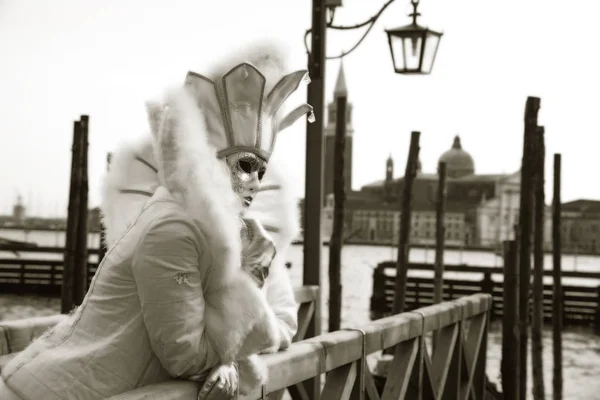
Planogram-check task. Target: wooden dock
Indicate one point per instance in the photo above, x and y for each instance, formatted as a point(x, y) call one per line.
point(41, 276)
point(581, 304)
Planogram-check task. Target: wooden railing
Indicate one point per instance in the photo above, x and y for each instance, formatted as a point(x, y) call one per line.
point(455, 369)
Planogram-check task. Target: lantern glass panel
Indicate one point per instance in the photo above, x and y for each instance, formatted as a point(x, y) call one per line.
point(432, 42)
point(397, 49)
point(412, 47)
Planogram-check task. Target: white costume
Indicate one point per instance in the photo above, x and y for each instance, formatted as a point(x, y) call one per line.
point(170, 300)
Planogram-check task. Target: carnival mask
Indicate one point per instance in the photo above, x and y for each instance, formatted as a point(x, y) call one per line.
point(244, 117)
point(246, 171)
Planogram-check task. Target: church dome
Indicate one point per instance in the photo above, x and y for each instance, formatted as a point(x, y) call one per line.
point(459, 163)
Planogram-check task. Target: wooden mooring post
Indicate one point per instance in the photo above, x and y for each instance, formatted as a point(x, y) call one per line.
point(525, 224)
point(80, 276)
point(337, 234)
point(72, 221)
point(440, 232)
point(510, 322)
point(538, 268)
point(73, 252)
point(557, 292)
point(405, 223)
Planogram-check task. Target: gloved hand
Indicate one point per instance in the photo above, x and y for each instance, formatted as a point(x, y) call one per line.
point(258, 250)
point(221, 384)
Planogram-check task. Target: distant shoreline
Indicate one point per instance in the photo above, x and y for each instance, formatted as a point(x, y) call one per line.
point(40, 229)
point(326, 242)
point(446, 247)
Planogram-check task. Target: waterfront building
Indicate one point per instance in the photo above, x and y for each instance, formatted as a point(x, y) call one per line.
point(580, 226)
point(20, 220)
point(481, 209)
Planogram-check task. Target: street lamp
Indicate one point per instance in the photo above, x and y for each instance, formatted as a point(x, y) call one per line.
point(323, 13)
point(413, 46)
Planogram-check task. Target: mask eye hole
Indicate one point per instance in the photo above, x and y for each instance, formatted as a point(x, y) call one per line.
point(245, 166)
point(261, 172)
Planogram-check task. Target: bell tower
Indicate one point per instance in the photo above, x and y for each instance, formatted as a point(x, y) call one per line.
point(389, 169)
point(389, 177)
point(19, 212)
point(340, 90)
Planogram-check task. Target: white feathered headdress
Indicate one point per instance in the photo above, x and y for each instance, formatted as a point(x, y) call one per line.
point(257, 72)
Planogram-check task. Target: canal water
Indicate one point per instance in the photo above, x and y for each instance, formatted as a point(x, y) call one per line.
point(581, 355)
point(581, 347)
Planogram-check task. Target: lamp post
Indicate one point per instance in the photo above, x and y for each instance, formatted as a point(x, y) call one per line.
point(314, 134)
point(313, 186)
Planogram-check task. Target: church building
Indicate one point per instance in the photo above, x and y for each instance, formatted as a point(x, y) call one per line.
point(481, 209)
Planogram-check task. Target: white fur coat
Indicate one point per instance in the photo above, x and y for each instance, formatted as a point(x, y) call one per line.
point(181, 157)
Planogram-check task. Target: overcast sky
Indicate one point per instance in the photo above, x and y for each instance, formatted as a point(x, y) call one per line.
point(63, 58)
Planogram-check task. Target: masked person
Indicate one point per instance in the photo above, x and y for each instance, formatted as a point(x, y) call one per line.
point(193, 284)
